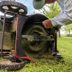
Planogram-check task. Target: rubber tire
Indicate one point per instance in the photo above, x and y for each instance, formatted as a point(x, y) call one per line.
point(11, 3)
point(28, 24)
point(34, 53)
point(13, 67)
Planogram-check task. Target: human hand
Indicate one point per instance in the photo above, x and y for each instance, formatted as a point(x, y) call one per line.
point(47, 24)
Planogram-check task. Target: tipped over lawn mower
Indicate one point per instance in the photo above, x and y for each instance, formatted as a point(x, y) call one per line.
point(30, 40)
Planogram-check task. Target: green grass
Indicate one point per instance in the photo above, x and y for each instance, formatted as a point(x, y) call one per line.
point(45, 65)
point(48, 65)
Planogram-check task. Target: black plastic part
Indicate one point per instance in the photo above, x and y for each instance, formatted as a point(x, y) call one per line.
point(33, 19)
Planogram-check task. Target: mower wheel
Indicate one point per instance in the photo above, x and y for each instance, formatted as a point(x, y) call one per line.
point(12, 7)
point(34, 48)
point(8, 65)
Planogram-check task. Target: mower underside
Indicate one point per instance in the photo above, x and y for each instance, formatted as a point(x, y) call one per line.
point(29, 39)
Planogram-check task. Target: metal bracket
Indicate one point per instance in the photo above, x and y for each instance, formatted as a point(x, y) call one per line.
point(3, 33)
point(42, 38)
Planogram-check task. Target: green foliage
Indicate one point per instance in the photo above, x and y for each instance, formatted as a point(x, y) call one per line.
point(69, 35)
point(68, 27)
point(54, 10)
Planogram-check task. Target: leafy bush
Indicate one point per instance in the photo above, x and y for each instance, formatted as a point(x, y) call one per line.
point(69, 35)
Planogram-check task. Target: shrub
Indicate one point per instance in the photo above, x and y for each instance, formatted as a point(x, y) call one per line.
point(69, 35)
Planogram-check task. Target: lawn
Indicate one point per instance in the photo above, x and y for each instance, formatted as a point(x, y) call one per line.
point(65, 48)
point(47, 65)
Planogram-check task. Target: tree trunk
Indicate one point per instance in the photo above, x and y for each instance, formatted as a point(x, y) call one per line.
point(69, 32)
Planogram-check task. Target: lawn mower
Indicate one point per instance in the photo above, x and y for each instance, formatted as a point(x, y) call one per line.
point(30, 40)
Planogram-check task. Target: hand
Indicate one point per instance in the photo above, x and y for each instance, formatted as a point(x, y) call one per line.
point(47, 24)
